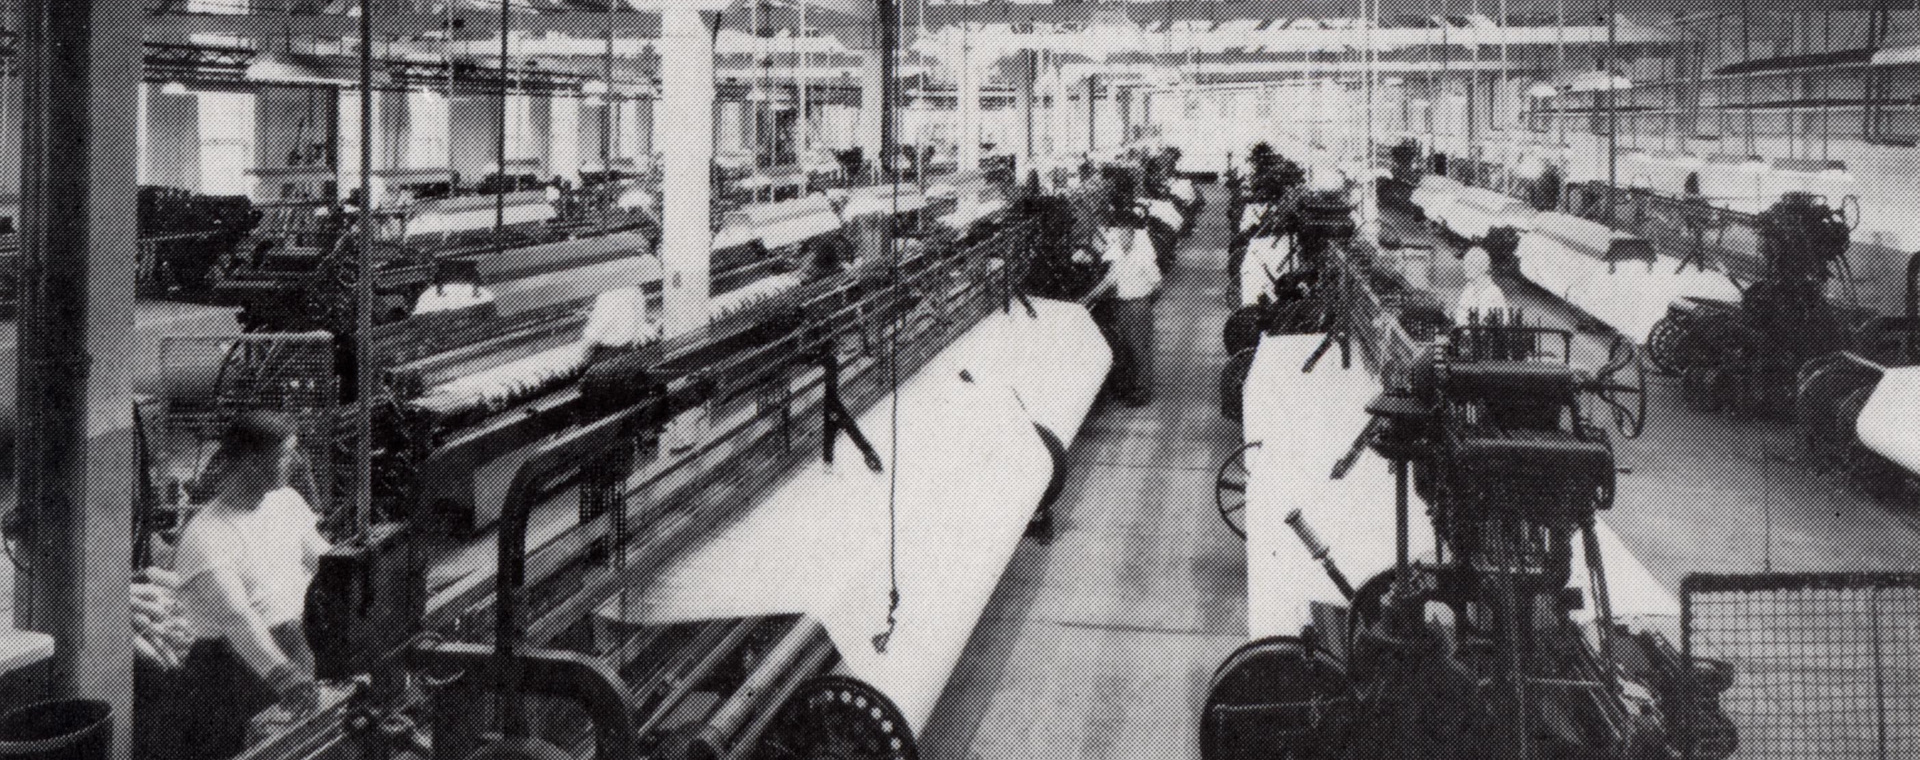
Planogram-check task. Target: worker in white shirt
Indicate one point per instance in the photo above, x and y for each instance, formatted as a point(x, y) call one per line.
point(1133, 278)
point(1481, 295)
point(244, 561)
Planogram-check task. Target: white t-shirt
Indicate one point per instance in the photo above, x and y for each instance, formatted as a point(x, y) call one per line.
point(1136, 273)
point(1165, 212)
point(1182, 188)
point(267, 548)
point(1481, 295)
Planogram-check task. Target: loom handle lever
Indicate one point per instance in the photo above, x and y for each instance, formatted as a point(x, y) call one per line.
point(1320, 552)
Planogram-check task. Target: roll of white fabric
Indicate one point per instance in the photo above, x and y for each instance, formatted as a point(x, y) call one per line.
point(733, 301)
point(577, 284)
point(1054, 362)
point(1634, 296)
point(1433, 193)
point(620, 319)
point(1889, 421)
point(468, 213)
point(970, 472)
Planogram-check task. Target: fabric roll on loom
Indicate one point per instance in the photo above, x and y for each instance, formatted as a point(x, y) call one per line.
point(467, 213)
point(1294, 415)
point(1567, 256)
point(1892, 414)
point(1054, 360)
point(969, 472)
point(1635, 297)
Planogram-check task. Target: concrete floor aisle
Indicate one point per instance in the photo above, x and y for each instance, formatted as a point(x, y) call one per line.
point(1102, 644)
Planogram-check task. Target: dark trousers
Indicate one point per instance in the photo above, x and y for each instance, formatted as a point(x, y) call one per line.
point(1133, 347)
point(200, 712)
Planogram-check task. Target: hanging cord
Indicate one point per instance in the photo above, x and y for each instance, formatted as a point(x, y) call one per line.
point(889, 109)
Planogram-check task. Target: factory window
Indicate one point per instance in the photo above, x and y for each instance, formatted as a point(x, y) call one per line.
point(631, 130)
point(564, 130)
point(520, 136)
point(427, 136)
point(226, 143)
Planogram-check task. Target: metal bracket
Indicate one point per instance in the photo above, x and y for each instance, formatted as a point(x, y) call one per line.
point(1337, 336)
point(835, 418)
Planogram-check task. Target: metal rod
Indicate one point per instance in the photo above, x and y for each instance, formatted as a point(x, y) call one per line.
point(1320, 552)
point(1602, 602)
point(363, 295)
point(500, 140)
point(889, 96)
point(747, 741)
point(1613, 107)
point(1879, 675)
point(1093, 95)
point(1686, 673)
point(1402, 530)
point(775, 665)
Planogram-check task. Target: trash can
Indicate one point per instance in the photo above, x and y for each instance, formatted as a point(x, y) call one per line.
point(62, 729)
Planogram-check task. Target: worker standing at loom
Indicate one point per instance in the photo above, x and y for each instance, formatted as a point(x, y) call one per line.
point(244, 562)
point(1133, 277)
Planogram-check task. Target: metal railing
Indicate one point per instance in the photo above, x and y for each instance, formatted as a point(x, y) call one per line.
point(1804, 665)
point(1367, 317)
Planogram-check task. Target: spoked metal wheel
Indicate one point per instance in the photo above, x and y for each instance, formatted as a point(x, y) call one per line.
point(1275, 698)
point(1663, 345)
point(1230, 490)
point(838, 718)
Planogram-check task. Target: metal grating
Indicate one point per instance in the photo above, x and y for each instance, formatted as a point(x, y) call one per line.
point(1823, 665)
point(212, 379)
point(1372, 318)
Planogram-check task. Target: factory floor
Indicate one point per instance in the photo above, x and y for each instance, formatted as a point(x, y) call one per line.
point(1102, 644)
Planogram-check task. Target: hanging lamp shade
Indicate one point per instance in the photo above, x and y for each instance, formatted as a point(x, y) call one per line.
point(173, 87)
point(1542, 90)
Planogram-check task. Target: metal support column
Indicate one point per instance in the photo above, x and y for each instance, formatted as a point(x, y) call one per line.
point(686, 61)
point(79, 68)
point(969, 140)
point(1023, 100)
point(889, 21)
point(872, 112)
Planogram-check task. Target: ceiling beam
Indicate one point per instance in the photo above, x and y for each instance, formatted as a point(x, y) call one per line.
point(1244, 68)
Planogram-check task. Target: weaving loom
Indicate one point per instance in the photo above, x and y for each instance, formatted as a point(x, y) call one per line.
point(783, 350)
point(1617, 278)
point(1319, 676)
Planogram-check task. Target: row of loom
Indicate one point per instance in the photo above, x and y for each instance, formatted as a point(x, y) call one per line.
point(1757, 313)
point(620, 478)
point(1331, 670)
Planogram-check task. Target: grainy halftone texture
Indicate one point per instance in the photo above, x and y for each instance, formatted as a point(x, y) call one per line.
point(1825, 667)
